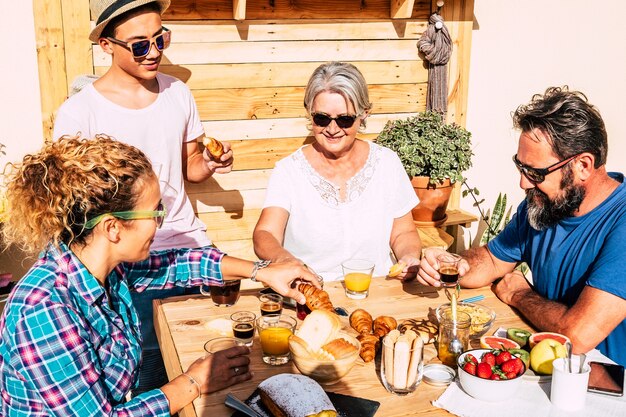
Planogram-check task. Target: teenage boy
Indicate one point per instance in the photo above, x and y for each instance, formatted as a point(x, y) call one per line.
point(134, 103)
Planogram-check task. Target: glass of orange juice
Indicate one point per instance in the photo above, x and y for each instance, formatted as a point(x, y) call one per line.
point(274, 331)
point(357, 275)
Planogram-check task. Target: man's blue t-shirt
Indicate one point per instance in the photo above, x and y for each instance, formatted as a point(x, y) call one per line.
point(577, 251)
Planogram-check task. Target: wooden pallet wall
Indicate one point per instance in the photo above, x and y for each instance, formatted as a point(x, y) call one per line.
point(247, 64)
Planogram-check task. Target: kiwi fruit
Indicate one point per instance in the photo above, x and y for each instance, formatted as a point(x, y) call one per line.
point(520, 336)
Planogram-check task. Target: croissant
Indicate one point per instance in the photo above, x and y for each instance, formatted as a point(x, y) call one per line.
point(316, 299)
point(215, 147)
point(369, 344)
point(383, 325)
point(339, 348)
point(361, 321)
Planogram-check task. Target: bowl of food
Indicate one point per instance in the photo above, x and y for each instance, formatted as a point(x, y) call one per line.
point(328, 364)
point(487, 376)
point(482, 317)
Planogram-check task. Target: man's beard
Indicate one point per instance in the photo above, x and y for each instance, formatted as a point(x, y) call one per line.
point(543, 212)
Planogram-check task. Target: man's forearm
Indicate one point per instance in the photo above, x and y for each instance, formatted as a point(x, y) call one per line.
point(483, 270)
point(544, 314)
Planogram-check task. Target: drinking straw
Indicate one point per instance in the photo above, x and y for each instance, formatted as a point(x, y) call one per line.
point(473, 299)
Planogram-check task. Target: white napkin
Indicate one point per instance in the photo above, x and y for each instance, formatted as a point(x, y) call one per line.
point(532, 399)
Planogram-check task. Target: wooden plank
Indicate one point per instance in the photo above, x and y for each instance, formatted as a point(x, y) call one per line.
point(239, 180)
point(50, 60)
point(238, 248)
point(286, 74)
point(267, 103)
point(284, 30)
point(239, 9)
point(459, 15)
point(282, 128)
point(401, 9)
point(301, 51)
point(223, 227)
point(76, 28)
point(288, 9)
point(230, 201)
point(170, 356)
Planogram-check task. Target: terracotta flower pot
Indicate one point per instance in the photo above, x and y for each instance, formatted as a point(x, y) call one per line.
point(431, 210)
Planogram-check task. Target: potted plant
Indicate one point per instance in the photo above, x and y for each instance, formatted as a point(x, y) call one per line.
point(434, 155)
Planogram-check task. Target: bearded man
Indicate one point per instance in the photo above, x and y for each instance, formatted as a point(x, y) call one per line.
point(570, 230)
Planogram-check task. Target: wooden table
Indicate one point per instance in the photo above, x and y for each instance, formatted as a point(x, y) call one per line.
point(181, 329)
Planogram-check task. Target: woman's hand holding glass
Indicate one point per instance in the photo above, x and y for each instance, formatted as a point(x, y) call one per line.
point(428, 273)
point(221, 369)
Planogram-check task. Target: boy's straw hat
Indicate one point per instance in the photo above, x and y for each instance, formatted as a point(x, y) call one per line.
point(103, 11)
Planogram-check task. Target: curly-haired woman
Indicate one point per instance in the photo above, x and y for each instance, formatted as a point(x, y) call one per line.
point(70, 342)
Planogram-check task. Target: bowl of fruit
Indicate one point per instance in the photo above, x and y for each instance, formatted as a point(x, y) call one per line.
point(490, 374)
point(482, 317)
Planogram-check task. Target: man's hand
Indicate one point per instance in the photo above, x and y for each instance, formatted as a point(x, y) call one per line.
point(428, 273)
point(224, 164)
point(511, 286)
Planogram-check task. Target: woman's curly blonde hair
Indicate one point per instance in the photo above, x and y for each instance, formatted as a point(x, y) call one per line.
point(51, 194)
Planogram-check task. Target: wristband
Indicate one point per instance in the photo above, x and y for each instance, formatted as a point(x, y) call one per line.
point(194, 382)
point(258, 265)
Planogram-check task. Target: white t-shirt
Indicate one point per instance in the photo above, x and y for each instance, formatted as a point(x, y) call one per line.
point(322, 231)
point(159, 130)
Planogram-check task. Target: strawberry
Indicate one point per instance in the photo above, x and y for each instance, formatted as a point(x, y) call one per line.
point(510, 375)
point(495, 377)
point(489, 358)
point(483, 370)
point(503, 356)
point(470, 367)
point(509, 366)
point(471, 358)
point(519, 365)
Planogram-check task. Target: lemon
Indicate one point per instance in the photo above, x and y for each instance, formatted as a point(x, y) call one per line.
point(542, 355)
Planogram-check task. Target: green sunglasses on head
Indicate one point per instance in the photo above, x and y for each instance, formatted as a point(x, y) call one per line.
point(158, 215)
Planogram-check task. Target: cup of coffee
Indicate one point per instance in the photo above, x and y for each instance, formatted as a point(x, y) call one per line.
point(271, 304)
point(224, 295)
point(243, 326)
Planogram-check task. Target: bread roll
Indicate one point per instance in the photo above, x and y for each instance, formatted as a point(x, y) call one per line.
point(339, 348)
point(319, 328)
point(291, 395)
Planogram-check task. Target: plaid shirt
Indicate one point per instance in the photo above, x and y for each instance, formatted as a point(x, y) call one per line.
point(68, 347)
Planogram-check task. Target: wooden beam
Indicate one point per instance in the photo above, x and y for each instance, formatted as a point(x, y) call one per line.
point(50, 59)
point(239, 9)
point(401, 9)
point(76, 28)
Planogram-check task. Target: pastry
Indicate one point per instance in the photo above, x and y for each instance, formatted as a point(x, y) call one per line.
point(402, 357)
point(383, 325)
point(292, 395)
point(339, 348)
point(396, 269)
point(316, 299)
point(319, 328)
point(214, 146)
point(361, 321)
point(425, 329)
point(369, 344)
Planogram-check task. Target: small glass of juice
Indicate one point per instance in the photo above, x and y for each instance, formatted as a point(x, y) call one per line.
point(357, 275)
point(274, 331)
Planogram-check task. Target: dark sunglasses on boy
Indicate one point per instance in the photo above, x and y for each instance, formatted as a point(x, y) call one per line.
point(142, 47)
point(538, 175)
point(323, 120)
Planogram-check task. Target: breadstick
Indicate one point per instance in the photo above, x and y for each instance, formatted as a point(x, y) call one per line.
point(388, 345)
point(416, 357)
point(401, 358)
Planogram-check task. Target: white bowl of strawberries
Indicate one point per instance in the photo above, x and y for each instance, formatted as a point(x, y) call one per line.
point(490, 374)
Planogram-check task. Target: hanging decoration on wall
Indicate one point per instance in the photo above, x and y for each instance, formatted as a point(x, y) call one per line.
point(436, 45)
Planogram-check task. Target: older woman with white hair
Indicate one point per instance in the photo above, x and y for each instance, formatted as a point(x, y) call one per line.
point(340, 197)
